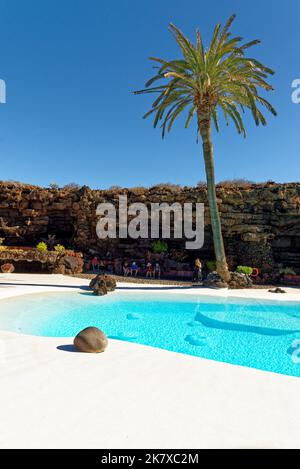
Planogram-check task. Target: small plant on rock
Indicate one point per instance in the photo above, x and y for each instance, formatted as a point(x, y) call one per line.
point(59, 248)
point(42, 247)
point(211, 265)
point(287, 271)
point(243, 269)
point(159, 246)
point(50, 241)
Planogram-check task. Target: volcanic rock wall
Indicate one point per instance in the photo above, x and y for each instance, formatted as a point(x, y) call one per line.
point(261, 223)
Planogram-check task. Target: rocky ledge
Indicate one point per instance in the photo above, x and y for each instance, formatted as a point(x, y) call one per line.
point(261, 222)
point(67, 262)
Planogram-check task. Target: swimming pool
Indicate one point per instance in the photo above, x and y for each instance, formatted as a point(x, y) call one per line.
point(254, 333)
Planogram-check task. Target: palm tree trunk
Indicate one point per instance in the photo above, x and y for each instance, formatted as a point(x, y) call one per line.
point(222, 268)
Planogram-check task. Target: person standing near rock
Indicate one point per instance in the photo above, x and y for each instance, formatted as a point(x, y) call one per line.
point(95, 264)
point(157, 270)
point(197, 277)
point(101, 267)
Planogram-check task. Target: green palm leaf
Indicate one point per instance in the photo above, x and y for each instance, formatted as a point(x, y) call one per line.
point(207, 76)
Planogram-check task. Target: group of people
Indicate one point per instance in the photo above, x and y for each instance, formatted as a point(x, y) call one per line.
point(152, 271)
point(128, 269)
point(96, 265)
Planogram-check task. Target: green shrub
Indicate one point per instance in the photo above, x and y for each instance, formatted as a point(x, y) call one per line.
point(287, 271)
point(42, 246)
point(59, 248)
point(159, 246)
point(211, 265)
point(243, 269)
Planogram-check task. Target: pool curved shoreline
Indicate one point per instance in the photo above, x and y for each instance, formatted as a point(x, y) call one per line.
point(23, 284)
point(221, 405)
point(251, 328)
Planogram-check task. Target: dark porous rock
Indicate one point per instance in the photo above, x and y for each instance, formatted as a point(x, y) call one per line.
point(254, 220)
point(74, 264)
point(102, 284)
point(91, 340)
point(60, 269)
point(277, 290)
point(238, 280)
point(67, 264)
point(100, 290)
point(213, 280)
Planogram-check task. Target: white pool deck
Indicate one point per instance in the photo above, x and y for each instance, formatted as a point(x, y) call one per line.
point(134, 396)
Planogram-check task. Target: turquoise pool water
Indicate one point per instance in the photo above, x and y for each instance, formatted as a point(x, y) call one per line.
point(258, 334)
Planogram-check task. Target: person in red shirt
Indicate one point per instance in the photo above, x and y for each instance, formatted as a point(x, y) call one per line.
point(95, 264)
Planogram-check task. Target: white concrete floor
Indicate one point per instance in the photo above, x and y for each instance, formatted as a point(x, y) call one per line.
point(134, 396)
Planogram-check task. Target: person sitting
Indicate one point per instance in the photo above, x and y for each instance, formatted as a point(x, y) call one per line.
point(126, 269)
point(134, 269)
point(157, 270)
point(149, 270)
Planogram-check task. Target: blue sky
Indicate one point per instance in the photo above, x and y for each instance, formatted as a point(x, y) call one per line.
point(70, 65)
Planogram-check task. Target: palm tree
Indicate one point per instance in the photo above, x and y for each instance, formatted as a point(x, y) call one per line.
point(204, 82)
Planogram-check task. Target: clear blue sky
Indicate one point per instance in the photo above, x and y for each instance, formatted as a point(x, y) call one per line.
point(70, 65)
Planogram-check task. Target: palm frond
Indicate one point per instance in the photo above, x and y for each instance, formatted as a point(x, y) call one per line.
point(202, 80)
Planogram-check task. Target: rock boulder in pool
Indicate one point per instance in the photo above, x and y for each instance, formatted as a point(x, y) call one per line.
point(91, 340)
point(102, 284)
